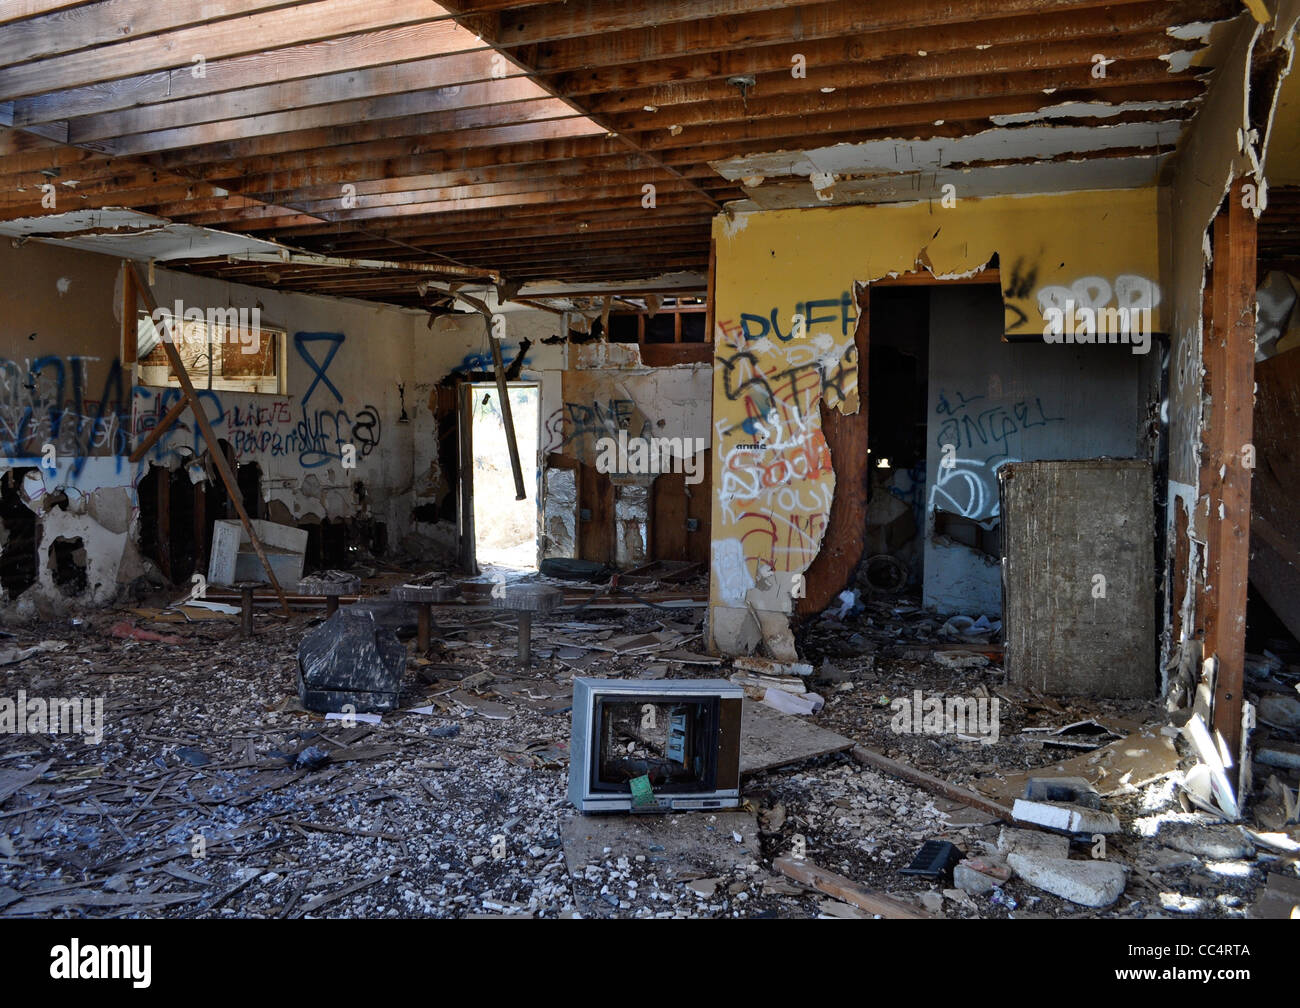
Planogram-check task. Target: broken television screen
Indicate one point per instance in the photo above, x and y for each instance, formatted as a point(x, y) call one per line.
point(672, 742)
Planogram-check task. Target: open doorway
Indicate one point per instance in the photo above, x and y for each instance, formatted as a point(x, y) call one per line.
point(505, 529)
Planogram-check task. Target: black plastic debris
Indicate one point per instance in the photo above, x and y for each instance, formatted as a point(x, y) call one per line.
point(350, 660)
point(934, 860)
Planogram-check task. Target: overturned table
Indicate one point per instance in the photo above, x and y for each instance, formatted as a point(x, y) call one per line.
point(423, 597)
point(524, 600)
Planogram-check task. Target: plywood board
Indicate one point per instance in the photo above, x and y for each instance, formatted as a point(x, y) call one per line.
point(769, 739)
point(1077, 576)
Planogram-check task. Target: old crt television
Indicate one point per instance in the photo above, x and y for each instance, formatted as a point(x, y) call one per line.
point(654, 746)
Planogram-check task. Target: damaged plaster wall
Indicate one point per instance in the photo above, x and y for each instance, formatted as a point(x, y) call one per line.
point(343, 362)
point(608, 391)
point(773, 476)
point(65, 385)
point(588, 391)
point(1219, 148)
point(65, 415)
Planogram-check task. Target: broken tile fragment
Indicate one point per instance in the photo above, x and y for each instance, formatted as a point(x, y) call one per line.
point(980, 875)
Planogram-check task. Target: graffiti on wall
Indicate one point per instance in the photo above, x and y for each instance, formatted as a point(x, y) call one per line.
point(776, 480)
point(50, 401)
point(309, 437)
point(973, 438)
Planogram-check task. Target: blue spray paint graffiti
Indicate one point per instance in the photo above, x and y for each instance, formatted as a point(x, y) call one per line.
point(44, 402)
point(334, 340)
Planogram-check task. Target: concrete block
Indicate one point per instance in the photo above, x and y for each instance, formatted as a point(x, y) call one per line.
point(1031, 841)
point(1088, 883)
point(1074, 790)
point(1216, 842)
point(1065, 817)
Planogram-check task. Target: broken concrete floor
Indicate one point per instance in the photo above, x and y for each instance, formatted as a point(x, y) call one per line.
point(212, 794)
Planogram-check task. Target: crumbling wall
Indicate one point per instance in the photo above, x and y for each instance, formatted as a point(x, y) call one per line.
point(773, 473)
point(1229, 139)
point(332, 447)
point(65, 415)
point(610, 399)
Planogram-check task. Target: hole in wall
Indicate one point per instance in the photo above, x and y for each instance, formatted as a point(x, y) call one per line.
point(426, 513)
point(19, 556)
point(68, 565)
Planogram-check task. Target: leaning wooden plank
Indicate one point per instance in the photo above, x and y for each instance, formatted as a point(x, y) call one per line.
point(931, 783)
point(807, 873)
point(209, 435)
point(160, 428)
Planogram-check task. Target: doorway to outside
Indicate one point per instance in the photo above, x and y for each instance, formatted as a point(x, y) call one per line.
point(505, 529)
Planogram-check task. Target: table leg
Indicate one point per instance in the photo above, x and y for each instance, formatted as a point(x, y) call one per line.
point(426, 619)
point(525, 638)
point(246, 611)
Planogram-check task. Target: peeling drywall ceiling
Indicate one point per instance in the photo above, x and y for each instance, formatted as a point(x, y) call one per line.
point(1030, 178)
point(133, 235)
point(1050, 155)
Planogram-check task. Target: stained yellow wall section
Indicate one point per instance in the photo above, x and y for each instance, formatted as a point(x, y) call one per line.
point(773, 474)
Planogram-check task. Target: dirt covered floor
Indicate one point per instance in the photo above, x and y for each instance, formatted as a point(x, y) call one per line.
point(211, 793)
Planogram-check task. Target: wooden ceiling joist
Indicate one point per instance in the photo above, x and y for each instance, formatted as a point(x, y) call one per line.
point(516, 137)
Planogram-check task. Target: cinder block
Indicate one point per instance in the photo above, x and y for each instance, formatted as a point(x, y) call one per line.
point(1074, 790)
point(1088, 883)
point(1067, 818)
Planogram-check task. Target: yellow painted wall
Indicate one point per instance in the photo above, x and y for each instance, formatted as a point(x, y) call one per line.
point(773, 475)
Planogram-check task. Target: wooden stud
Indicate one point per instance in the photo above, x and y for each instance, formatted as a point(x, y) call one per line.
point(1229, 358)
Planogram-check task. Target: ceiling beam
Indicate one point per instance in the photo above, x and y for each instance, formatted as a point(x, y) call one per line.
point(297, 25)
point(111, 21)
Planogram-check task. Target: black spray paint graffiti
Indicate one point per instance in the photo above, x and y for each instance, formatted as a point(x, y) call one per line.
point(986, 432)
point(794, 388)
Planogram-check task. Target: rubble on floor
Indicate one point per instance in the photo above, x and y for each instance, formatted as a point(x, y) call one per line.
point(214, 793)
